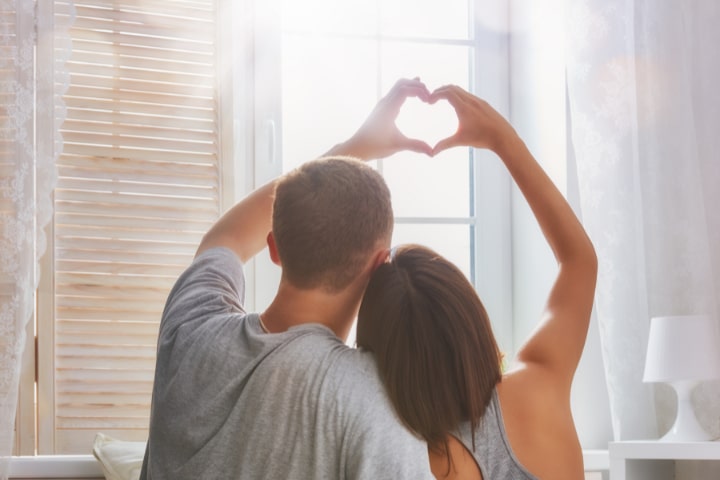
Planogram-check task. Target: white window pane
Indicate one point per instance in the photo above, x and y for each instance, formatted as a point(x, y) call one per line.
point(430, 187)
point(329, 88)
point(450, 241)
point(436, 65)
point(430, 123)
point(425, 18)
point(330, 16)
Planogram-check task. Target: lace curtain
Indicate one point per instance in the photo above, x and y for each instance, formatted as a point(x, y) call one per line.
point(30, 114)
point(645, 112)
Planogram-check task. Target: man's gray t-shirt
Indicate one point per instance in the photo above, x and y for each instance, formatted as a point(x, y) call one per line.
point(232, 402)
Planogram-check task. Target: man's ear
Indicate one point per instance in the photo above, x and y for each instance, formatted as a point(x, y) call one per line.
point(381, 257)
point(273, 249)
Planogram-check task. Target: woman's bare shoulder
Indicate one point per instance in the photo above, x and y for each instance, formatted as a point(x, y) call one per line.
point(538, 423)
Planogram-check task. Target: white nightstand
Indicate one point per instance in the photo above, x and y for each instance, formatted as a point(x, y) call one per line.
point(645, 460)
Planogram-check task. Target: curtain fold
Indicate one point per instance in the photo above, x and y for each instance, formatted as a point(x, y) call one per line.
point(31, 111)
point(645, 112)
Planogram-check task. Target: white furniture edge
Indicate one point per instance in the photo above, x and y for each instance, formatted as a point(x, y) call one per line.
point(596, 460)
point(86, 466)
point(657, 450)
point(55, 466)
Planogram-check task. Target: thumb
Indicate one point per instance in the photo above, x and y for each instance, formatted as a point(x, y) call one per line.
point(417, 146)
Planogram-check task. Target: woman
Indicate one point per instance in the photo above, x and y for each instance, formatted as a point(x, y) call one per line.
point(436, 351)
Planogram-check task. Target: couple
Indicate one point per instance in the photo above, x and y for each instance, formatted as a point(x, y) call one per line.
point(280, 396)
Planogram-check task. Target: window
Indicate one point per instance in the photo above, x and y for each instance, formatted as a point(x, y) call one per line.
point(170, 119)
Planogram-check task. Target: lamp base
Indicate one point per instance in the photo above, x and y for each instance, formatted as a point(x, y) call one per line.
point(686, 427)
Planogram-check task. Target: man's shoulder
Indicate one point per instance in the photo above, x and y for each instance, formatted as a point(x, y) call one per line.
point(342, 367)
point(318, 343)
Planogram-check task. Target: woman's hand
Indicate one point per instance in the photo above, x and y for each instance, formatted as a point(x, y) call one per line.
point(479, 125)
point(379, 137)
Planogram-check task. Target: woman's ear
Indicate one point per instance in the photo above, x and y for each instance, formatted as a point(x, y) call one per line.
point(273, 249)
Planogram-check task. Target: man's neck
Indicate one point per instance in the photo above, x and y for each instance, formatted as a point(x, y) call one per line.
point(292, 306)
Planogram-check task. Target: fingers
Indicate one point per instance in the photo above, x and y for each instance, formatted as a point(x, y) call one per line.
point(405, 88)
point(456, 97)
point(452, 93)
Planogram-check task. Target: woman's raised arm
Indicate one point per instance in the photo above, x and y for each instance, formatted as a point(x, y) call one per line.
point(557, 343)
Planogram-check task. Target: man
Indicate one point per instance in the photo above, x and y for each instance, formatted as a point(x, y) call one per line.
point(278, 395)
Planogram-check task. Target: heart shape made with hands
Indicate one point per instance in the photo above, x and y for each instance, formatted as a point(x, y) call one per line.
point(427, 122)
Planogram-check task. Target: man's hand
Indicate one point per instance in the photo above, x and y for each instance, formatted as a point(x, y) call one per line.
point(379, 137)
point(479, 125)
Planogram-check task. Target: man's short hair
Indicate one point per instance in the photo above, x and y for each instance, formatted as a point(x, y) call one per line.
point(329, 216)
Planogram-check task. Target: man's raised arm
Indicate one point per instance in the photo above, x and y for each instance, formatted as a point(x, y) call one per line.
point(244, 228)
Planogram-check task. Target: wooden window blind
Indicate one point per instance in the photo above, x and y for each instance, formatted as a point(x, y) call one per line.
point(139, 184)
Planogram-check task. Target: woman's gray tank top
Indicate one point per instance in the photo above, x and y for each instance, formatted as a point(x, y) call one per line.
point(492, 450)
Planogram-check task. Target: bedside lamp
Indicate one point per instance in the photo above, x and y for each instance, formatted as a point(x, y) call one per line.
point(682, 351)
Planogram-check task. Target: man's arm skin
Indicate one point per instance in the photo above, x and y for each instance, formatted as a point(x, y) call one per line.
point(244, 228)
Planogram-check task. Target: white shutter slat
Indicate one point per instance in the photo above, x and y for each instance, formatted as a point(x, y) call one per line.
point(117, 209)
point(101, 377)
point(66, 314)
point(139, 154)
point(140, 166)
point(103, 384)
point(77, 106)
point(115, 302)
point(145, 20)
point(99, 89)
point(111, 139)
point(95, 418)
point(98, 398)
point(109, 67)
point(135, 185)
point(157, 43)
point(109, 328)
point(119, 269)
point(126, 258)
point(96, 43)
point(168, 91)
point(118, 119)
point(178, 225)
point(88, 57)
point(107, 357)
point(124, 244)
point(179, 178)
point(189, 205)
point(138, 186)
point(202, 10)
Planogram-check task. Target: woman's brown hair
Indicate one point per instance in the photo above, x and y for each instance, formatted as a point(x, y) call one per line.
point(433, 343)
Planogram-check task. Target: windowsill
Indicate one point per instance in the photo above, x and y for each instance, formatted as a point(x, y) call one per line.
point(55, 466)
point(86, 466)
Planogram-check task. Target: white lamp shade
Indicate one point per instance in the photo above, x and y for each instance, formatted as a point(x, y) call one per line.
point(682, 348)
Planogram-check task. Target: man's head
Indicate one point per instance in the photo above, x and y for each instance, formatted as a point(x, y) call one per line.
point(330, 217)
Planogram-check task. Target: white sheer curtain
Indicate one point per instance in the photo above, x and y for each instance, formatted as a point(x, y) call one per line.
point(30, 114)
point(645, 124)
